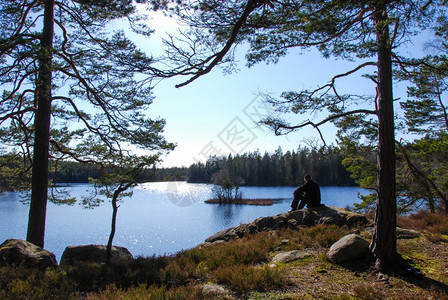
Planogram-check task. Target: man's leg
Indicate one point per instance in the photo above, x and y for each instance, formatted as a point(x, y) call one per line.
point(295, 202)
point(302, 203)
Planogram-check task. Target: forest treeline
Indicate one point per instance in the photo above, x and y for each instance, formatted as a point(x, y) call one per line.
point(251, 168)
point(74, 172)
point(274, 169)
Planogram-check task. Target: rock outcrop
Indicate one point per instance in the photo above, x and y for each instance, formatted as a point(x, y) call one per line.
point(348, 248)
point(294, 220)
point(20, 252)
point(94, 253)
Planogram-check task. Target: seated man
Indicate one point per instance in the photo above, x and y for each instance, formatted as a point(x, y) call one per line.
point(308, 193)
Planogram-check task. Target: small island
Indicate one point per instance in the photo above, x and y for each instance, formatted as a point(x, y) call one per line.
point(226, 191)
point(242, 201)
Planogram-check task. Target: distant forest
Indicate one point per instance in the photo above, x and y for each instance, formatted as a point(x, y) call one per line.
point(252, 169)
point(74, 172)
point(276, 169)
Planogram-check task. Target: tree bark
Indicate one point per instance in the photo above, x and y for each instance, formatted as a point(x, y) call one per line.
point(384, 241)
point(113, 225)
point(122, 187)
point(39, 180)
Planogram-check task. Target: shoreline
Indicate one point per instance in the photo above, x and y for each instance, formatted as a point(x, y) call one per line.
point(242, 202)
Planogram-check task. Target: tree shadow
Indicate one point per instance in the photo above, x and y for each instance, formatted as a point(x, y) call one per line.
point(403, 270)
point(415, 277)
point(427, 283)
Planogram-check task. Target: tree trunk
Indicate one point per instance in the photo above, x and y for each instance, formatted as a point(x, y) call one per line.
point(113, 225)
point(39, 180)
point(121, 188)
point(384, 241)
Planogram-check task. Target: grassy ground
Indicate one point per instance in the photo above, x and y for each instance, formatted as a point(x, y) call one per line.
point(243, 270)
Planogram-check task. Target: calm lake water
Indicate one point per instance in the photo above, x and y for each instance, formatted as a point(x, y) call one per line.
point(160, 218)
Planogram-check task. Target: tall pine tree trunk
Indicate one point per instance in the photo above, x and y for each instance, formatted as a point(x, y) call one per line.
point(384, 241)
point(39, 181)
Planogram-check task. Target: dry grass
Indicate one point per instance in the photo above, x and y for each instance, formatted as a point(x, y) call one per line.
point(436, 223)
point(244, 267)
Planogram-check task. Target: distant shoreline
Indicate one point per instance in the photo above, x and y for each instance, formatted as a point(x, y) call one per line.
point(243, 201)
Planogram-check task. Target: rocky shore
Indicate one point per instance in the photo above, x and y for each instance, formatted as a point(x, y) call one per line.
point(294, 220)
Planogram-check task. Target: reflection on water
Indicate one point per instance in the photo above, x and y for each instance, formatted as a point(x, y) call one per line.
point(160, 218)
point(224, 214)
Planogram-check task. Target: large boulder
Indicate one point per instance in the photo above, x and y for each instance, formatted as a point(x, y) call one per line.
point(20, 252)
point(294, 220)
point(348, 248)
point(94, 254)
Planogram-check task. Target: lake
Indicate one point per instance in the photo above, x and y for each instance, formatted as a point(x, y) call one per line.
point(160, 218)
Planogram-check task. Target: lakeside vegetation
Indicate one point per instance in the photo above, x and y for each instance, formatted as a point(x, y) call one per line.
point(244, 269)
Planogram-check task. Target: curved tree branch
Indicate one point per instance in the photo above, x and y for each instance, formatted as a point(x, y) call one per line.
point(250, 7)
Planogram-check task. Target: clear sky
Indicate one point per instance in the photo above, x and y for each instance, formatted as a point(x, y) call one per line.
point(217, 113)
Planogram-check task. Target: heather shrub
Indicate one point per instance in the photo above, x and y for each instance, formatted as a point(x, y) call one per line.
point(425, 220)
point(244, 279)
point(152, 292)
point(24, 283)
point(320, 235)
point(248, 251)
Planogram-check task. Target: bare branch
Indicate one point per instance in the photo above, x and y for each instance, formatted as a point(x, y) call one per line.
point(250, 7)
point(278, 126)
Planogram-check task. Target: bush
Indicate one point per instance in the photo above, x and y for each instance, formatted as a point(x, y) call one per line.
point(152, 292)
point(425, 220)
point(245, 279)
point(25, 283)
point(320, 235)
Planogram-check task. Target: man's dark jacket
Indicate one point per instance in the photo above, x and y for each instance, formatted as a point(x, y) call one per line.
point(309, 193)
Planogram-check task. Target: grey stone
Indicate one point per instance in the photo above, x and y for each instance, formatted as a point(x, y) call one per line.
point(328, 221)
point(290, 256)
point(407, 233)
point(215, 290)
point(266, 223)
point(349, 247)
point(304, 216)
point(94, 253)
point(353, 219)
point(20, 252)
point(402, 233)
point(245, 229)
point(224, 235)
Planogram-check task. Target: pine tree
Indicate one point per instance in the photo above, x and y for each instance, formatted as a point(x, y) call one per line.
point(67, 80)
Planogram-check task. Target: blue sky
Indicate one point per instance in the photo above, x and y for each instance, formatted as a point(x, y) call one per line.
point(217, 113)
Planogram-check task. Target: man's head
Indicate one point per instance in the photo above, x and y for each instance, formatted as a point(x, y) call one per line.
point(307, 177)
